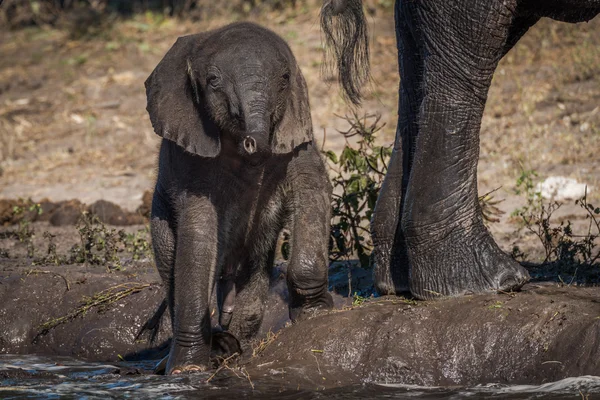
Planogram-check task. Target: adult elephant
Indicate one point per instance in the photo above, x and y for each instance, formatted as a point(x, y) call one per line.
point(427, 227)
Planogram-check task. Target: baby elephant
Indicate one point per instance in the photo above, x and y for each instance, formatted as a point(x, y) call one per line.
point(237, 164)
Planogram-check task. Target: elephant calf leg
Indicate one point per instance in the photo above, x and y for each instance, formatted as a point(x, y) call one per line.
point(249, 305)
point(307, 278)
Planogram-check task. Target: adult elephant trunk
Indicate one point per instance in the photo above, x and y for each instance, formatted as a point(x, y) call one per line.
point(347, 45)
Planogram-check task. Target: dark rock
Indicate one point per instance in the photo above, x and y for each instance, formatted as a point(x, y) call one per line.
point(112, 214)
point(67, 213)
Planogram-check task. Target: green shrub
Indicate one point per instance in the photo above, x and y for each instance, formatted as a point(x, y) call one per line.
point(565, 251)
point(357, 175)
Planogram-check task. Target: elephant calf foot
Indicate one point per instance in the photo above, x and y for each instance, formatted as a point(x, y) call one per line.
point(182, 359)
point(186, 359)
point(462, 264)
point(224, 345)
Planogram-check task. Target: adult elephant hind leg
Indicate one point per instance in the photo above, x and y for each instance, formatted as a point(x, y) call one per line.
point(451, 252)
point(389, 258)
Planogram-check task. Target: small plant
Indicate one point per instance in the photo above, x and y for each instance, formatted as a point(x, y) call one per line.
point(358, 300)
point(526, 186)
point(136, 244)
point(51, 256)
point(357, 176)
point(561, 245)
point(98, 244)
point(25, 232)
point(564, 250)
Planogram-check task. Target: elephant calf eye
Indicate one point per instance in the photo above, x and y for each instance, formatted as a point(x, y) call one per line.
point(213, 80)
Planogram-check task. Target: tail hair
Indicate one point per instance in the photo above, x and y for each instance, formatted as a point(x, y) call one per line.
point(346, 45)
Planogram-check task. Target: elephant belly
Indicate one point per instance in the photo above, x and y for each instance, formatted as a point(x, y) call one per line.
point(252, 229)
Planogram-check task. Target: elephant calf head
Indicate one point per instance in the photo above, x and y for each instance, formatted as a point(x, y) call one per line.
point(237, 89)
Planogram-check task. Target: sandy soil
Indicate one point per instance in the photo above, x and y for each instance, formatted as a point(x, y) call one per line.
point(73, 123)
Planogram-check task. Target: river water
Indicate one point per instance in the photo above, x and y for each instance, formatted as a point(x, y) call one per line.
point(32, 377)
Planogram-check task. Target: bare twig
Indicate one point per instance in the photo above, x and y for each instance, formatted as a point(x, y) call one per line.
point(317, 360)
point(263, 344)
point(224, 365)
point(39, 271)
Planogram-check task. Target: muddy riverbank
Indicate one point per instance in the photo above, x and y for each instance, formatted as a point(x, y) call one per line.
point(92, 312)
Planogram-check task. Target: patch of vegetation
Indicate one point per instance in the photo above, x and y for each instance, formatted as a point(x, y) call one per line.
point(52, 256)
point(137, 244)
point(25, 233)
point(99, 245)
point(357, 175)
point(565, 251)
point(526, 187)
point(358, 300)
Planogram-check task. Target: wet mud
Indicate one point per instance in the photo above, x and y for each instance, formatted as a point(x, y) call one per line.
point(542, 334)
point(545, 333)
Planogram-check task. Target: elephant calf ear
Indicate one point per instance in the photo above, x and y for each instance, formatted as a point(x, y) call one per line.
point(295, 127)
point(174, 105)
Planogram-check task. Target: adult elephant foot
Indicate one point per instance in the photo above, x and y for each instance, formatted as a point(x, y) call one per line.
point(462, 263)
point(390, 267)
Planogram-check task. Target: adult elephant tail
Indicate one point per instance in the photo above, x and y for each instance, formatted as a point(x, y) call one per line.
point(346, 45)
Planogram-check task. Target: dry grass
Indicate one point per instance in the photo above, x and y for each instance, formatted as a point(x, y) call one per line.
point(264, 343)
point(101, 299)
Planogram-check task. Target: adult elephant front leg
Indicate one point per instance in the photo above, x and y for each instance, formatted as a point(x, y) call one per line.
point(307, 278)
point(193, 281)
point(451, 252)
